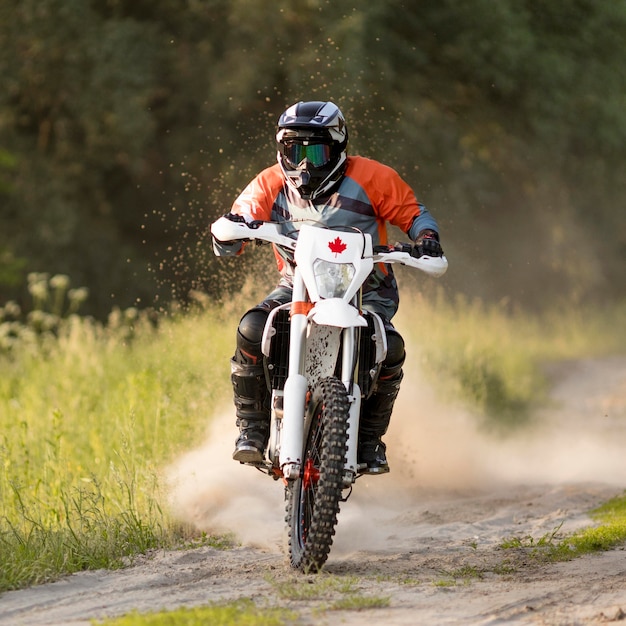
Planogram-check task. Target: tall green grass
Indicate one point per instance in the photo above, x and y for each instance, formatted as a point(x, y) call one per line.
point(90, 413)
point(495, 360)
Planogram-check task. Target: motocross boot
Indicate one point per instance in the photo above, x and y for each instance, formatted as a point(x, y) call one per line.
point(252, 409)
point(375, 418)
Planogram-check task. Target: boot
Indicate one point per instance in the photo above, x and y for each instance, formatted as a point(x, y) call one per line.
point(375, 418)
point(252, 410)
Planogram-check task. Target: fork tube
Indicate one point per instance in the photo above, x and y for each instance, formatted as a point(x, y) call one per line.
point(297, 332)
point(347, 357)
point(354, 392)
point(295, 386)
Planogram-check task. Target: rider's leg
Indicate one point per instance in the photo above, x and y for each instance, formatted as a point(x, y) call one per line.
point(376, 412)
point(250, 389)
point(251, 394)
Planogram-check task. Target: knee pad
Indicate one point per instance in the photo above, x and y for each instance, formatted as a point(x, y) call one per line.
point(392, 365)
point(250, 335)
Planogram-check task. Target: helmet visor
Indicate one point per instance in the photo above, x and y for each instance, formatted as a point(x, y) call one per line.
point(317, 154)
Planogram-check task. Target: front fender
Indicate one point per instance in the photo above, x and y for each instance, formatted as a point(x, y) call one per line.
point(336, 312)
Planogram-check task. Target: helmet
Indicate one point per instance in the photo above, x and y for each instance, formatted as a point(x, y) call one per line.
point(311, 140)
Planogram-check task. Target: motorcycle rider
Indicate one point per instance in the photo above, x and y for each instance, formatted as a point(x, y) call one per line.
point(315, 179)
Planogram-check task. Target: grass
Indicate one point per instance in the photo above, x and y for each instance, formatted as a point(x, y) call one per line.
point(241, 613)
point(91, 413)
point(340, 593)
point(609, 532)
point(493, 359)
point(360, 603)
point(546, 540)
point(464, 574)
point(313, 587)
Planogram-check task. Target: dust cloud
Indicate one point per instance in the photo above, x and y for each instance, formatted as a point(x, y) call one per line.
point(215, 494)
point(573, 439)
point(436, 450)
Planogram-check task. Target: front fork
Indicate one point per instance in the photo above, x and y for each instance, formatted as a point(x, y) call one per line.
point(287, 425)
point(354, 396)
point(296, 385)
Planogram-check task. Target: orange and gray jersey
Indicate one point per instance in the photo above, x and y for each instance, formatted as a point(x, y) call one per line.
point(369, 195)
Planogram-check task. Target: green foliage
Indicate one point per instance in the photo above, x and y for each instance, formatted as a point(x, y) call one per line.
point(126, 127)
point(609, 532)
point(465, 574)
point(342, 593)
point(241, 613)
point(10, 268)
point(493, 359)
point(53, 302)
point(88, 417)
point(90, 413)
point(7, 164)
point(314, 588)
point(360, 603)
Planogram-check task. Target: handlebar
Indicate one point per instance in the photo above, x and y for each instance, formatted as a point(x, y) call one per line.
point(227, 229)
point(409, 255)
point(235, 228)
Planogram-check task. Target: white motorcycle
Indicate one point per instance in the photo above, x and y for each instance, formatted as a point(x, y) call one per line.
point(322, 353)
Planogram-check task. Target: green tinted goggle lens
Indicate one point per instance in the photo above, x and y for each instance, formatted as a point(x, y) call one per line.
point(317, 154)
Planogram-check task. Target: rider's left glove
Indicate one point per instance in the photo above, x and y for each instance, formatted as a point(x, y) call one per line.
point(427, 243)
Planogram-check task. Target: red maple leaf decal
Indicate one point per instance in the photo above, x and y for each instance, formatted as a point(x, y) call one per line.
point(337, 246)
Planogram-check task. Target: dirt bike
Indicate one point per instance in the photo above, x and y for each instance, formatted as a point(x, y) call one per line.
point(322, 355)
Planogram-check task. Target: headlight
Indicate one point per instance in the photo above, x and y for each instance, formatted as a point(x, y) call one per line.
point(332, 279)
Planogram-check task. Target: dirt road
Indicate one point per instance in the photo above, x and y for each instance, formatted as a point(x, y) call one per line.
point(428, 536)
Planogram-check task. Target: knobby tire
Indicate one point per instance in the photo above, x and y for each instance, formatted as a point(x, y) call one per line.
point(313, 498)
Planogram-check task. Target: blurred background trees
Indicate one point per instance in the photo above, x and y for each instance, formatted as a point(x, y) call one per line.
point(127, 126)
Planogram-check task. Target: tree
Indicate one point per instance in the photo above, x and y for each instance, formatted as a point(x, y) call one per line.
point(132, 124)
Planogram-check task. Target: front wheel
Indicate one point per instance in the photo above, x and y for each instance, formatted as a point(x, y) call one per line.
point(313, 498)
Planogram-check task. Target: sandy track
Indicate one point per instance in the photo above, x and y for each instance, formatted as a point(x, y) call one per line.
point(428, 536)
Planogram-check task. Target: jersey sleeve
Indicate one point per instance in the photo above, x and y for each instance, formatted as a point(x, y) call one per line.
point(392, 198)
point(253, 203)
point(400, 207)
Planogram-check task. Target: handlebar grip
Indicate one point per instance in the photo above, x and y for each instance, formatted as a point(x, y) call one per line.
point(404, 247)
point(233, 217)
point(416, 252)
point(400, 246)
point(382, 249)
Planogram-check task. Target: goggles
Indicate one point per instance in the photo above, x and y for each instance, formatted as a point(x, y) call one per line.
point(317, 154)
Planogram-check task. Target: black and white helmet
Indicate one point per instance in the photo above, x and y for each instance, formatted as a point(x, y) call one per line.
point(312, 139)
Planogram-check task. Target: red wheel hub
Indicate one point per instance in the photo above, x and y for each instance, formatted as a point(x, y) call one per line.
point(311, 474)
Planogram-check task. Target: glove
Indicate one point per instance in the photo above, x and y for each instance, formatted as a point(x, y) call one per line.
point(427, 243)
